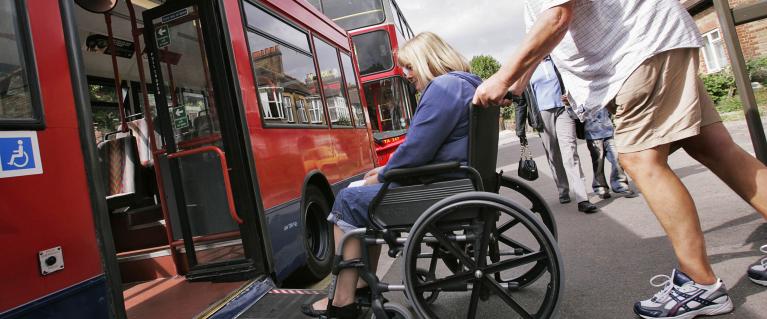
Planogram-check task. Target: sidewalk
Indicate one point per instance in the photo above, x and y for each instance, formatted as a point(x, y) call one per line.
point(611, 255)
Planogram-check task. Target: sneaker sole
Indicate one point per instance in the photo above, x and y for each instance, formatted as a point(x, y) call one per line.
point(707, 311)
point(759, 282)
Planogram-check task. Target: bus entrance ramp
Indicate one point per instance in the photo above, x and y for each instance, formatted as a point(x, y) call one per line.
point(263, 300)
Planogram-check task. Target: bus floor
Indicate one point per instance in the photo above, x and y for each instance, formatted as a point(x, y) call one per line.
point(175, 297)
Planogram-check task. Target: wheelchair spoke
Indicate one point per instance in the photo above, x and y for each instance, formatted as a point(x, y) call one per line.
point(458, 280)
point(508, 225)
point(501, 292)
point(514, 244)
point(474, 299)
point(511, 263)
point(444, 241)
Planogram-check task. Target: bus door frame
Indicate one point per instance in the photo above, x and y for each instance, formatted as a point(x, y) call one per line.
point(234, 133)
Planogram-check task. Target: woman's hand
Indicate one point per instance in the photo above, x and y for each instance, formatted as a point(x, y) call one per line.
point(371, 177)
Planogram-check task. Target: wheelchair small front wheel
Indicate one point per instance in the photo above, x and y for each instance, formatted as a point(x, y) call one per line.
point(395, 311)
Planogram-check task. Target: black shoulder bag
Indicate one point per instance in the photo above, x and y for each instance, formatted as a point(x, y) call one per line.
point(527, 168)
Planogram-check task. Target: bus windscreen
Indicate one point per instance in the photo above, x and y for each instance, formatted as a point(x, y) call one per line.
point(354, 14)
point(374, 52)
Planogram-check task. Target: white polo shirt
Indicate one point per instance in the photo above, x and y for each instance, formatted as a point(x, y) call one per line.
point(609, 39)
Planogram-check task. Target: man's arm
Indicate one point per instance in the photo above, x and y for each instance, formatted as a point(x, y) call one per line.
point(548, 30)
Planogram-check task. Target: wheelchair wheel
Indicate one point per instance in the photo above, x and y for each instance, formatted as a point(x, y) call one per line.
point(538, 205)
point(467, 225)
point(395, 311)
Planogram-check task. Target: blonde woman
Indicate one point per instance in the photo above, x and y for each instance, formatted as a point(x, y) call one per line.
point(438, 133)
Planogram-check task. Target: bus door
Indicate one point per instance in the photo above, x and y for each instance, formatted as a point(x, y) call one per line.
point(206, 177)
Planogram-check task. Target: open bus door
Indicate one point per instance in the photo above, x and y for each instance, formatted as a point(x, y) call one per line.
point(202, 151)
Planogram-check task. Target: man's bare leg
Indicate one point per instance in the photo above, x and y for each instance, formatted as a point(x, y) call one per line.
point(674, 208)
point(746, 175)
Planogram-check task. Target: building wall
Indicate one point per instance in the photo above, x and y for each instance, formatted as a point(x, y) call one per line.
point(753, 36)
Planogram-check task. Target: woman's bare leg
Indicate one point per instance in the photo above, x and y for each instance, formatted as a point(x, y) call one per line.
point(347, 280)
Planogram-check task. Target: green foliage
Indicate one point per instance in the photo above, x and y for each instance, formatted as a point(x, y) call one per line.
point(105, 120)
point(729, 104)
point(484, 66)
point(719, 85)
point(757, 69)
point(507, 112)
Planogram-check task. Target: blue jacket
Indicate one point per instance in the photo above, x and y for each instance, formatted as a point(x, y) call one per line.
point(439, 130)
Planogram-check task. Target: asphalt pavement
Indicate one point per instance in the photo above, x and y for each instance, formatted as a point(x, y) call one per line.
point(610, 256)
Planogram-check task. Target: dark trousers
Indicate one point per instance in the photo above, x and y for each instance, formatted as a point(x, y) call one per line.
point(600, 150)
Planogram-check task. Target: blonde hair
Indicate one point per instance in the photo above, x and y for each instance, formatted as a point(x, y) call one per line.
point(430, 56)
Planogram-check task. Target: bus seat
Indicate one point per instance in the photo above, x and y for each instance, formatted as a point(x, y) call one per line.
point(202, 125)
point(119, 161)
point(140, 130)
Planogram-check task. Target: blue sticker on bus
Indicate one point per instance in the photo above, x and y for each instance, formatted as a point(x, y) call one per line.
point(19, 154)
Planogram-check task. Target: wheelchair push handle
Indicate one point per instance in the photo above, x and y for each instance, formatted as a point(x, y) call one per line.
point(509, 96)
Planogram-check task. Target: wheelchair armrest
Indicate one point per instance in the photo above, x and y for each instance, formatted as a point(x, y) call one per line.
point(426, 170)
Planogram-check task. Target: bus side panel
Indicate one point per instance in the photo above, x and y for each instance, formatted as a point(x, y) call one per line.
point(51, 209)
point(284, 156)
point(283, 223)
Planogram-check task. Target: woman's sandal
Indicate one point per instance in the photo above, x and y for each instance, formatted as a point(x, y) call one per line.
point(351, 311)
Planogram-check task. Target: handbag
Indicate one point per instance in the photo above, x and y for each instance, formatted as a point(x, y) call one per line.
point(527, 168)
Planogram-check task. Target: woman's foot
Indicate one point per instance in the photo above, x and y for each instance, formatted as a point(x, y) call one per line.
point(315, 309)
point(321, 308)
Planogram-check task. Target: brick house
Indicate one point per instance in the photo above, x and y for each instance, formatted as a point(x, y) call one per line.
point(753, 36)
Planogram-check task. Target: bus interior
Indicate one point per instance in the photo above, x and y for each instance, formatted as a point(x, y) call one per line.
point(154, 264)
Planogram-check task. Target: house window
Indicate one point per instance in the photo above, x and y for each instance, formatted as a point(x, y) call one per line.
point(713, 51)
point(316, 114)
point(271, 100)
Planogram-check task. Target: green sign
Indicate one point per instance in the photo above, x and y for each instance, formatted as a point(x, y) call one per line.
point(180, 120)
point(162, 36)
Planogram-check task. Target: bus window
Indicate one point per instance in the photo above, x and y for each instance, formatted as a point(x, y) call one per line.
point(353, 91)
point(330, 73)
point(388, 107)
point(374, 52)
point(354, 14)
point(316, 4)
point(105, 106)
point(265, 22)
point(287, 83)
point(19, 106)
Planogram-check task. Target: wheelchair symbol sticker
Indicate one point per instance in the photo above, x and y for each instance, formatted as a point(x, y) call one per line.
point(19, 154)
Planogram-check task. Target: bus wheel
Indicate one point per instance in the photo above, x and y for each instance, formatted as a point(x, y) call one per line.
point(318, 235)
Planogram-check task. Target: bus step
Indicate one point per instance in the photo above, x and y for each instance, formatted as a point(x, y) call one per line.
point(283, 304)
point(225, 273)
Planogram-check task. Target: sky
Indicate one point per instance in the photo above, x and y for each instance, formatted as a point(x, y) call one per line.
point(473, 27)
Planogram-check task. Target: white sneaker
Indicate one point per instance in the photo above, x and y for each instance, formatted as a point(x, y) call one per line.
point(758, 273)
point(682, 298)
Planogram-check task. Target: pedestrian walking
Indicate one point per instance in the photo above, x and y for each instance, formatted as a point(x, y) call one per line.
point(599, 132)
point(640, 59)
point(558, 135)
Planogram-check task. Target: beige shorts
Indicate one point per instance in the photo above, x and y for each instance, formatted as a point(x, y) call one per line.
point(663, 101)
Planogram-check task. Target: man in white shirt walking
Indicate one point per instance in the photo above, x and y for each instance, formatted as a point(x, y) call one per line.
point(640, 58)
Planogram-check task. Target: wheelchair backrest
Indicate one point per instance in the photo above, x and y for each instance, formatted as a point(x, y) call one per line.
point(483, 144)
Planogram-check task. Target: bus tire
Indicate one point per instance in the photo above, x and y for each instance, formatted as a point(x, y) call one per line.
point(317, 235)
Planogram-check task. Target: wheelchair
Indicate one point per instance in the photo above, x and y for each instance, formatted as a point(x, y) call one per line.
point(468, 250)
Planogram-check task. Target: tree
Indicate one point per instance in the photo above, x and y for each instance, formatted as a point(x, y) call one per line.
point(484, 66)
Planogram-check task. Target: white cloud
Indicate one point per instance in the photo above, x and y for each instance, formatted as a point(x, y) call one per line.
point(474, 27)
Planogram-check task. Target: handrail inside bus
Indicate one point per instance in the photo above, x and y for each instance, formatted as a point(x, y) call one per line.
point(224, 171)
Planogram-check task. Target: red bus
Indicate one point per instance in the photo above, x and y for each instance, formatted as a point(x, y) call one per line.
point(169, 159)
point(378, 27)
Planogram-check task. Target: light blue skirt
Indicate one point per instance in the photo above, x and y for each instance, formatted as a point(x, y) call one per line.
point(350, 210)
